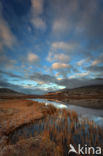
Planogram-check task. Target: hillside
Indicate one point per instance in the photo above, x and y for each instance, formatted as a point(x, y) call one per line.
point(9, 91)
point(88, 96)
point(87, 91)
point(5, 92)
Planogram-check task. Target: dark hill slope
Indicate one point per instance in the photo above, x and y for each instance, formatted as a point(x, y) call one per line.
point(82, 92)
point(5, 92)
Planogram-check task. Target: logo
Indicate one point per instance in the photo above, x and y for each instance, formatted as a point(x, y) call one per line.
point(72, 149)
point(85, 150)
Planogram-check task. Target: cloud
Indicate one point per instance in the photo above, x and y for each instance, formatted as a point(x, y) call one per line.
point(98, 61)
point(95, 62)
point(42, 78)
point(49, 83)
point(75, 82)
point(10, 74)
point(32, 57)
point(79, 19)
point(79, 81)
point(60, 66)
point(86, 60)
point(7, 38)
point(6, 62)
point(36, 13)
point(91, 20)
point(95, 68)
point(63, 21)
point(80, 75)
point(60, 25)
point(39, 23)
point(81, 62)
point(73, 57)
point(21, 88)
point(45, 81)
point(64, 45)
point(37, 6)
point(59, 58)
point(61, 51)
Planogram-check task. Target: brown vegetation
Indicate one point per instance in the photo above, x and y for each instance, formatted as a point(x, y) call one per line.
point(55, 132)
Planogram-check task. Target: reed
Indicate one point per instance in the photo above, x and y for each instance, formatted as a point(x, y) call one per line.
point(61, 128)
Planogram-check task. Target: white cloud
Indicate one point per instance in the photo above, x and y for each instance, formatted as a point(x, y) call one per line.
point(6, 62)
point(36, 12)
point(61, 57)
point(95, 62)
point(6, 36)
point(58, 58)
point(32, 57)
point(79, 75)
point(37, 6)
point(60, 25)
point(63, 20)
point(85, 22)
point(60, 65)
point(38, 23)
point(98, 60)
point(63, 45)
point(81, 62)
point(86, 61)
point(59, 51)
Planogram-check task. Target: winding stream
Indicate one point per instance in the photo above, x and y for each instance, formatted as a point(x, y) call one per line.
point(92, 114)
point(59, 123)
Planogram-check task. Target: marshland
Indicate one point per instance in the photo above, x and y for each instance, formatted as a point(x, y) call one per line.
point(51, 77)
point(40, 127)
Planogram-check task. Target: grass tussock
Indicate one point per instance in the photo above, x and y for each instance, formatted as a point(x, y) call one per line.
point(30, 103)
point(53, 135)
point(50, 109)
point(50, 136)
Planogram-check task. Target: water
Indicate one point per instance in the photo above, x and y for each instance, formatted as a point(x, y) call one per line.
point(63, 124)
point(95, 115)
point(56, 125)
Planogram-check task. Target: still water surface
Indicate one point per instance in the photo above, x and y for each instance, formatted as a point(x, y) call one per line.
point(38, 127)
point(92, 114)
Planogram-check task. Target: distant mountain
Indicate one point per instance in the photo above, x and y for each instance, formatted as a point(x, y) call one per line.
point(8, 92)
point(86, 89)
point(87, 96)
point(93, 90)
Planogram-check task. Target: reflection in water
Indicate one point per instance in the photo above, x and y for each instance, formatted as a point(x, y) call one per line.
point(92, 114)
point(62, 127)
point(47, 102)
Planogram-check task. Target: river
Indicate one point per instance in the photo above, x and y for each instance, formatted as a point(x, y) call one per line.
point(95, 115)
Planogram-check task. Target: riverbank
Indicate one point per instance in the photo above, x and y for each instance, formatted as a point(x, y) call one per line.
point(88, 103)
point(16, 113)
point(57, 125)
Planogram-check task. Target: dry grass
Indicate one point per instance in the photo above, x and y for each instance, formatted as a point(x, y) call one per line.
point(50, 110)
point(55, 138)
point(14, 113)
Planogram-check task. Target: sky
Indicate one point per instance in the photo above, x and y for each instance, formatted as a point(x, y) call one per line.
point(48, 45)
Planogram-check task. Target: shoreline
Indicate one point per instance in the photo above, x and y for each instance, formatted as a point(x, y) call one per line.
point(94, 103)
